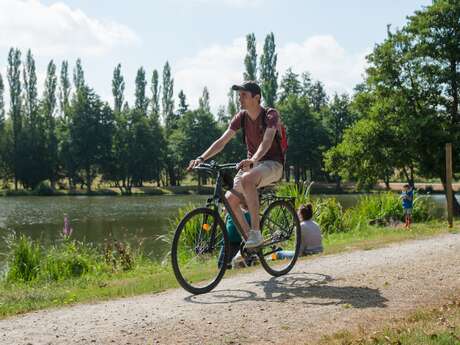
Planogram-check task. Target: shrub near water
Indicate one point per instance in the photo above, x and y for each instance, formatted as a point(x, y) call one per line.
point(24, 262)
point(68, 259)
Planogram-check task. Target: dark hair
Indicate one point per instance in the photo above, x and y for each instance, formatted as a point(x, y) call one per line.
point(406, 186)
point(306, 211)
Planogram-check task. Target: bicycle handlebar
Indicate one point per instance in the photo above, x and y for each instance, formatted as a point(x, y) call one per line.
point(213, 167)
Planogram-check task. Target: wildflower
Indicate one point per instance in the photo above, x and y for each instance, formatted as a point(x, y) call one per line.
point(67, 230)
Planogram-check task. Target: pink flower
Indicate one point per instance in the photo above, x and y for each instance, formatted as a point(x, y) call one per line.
point(67, 230)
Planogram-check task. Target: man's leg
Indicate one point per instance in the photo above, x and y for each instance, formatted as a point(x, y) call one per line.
point(263, 174)
point(249, 181)
point(234, 202)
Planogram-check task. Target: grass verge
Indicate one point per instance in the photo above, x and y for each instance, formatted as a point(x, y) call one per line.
point(436, 326)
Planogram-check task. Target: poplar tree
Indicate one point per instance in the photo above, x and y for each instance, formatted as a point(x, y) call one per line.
point(250, 61)
point(167, 100)
point(78, 75)
point(30, 89)
point(183, 106)
point(64, 87)
point(14, 81)
point(118, 89)
point(204, 101)
point(141, 102)
point(268, 73)
point(2, 104)
point(156, 90)
point(49, 105)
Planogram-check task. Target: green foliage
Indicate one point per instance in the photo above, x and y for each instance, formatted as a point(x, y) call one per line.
point(300, 192)
point(118, 89)
point(307, 137)
point(329, 215)
point(23, 260)
point(29, 262)
point(250, 60)
point(67, 260)
point(268, 74)
point(43, 188)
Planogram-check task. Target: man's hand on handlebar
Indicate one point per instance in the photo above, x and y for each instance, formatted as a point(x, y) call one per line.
point(194, 163)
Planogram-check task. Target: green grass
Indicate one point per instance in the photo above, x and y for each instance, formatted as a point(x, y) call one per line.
point(438, 326)
point(147, 276)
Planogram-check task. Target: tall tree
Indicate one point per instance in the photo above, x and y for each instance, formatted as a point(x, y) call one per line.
point(290, 84)
point(250, 60)
point(30, 89)
point(78, 75)
point(118, 89)
point(90, 129)
point(156, 91)
point(183, 106)
point(49, 105)
point(2, 104)
point(318, 96)
point(141, 101)
point(338, 117)
point(268, 74)
point(203, 102)
point(167, 100)
point(232, 106)
point(64, 87)
point(3, 137)
point(14, 81)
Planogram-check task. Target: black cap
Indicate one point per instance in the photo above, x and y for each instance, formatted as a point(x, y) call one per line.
point(250, 86)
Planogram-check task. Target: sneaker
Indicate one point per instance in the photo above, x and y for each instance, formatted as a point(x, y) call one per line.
point(254, 240)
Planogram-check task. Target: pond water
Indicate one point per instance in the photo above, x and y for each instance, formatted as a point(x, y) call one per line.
point(93, 219)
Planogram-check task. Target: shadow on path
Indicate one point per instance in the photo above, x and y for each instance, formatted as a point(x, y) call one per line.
point(311, 288)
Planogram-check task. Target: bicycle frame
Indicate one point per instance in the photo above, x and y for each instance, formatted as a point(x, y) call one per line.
point(219, 196)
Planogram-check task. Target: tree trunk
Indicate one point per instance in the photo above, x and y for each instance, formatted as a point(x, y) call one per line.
point(456, 205)
point(88, 179)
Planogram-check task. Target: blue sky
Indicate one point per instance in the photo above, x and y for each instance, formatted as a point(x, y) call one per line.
point(202, 39)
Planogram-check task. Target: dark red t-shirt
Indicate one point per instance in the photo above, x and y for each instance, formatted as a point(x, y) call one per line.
point(255, 133)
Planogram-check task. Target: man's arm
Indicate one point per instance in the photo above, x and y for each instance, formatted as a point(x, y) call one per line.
point(214, 149)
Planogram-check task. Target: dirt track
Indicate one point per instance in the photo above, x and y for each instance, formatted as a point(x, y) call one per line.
point(321, 296)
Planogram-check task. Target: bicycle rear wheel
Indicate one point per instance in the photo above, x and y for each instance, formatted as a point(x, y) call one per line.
point(281, 232)
point(200, 251)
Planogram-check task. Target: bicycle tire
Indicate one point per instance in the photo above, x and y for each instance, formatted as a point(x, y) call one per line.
point(185, 244)
point(266, 252)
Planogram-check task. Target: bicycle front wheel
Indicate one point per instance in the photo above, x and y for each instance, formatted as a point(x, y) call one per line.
point(281, 232)
point(200, 251)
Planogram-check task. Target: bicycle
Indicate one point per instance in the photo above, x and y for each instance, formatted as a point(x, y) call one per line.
point(200, 247)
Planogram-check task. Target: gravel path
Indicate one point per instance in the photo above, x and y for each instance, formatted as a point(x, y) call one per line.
point(321, 296)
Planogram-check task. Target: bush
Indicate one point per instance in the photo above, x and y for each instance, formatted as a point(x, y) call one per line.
point(29, 262)
point(329, 215)
point(300, 192)
point(24, 259)
point(43, 188)
point(69, 259)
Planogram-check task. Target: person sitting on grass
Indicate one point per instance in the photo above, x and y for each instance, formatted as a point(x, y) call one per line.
point(407, 196)
point(311, 238)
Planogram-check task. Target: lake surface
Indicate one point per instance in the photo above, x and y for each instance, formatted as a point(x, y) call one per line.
point(93, 219)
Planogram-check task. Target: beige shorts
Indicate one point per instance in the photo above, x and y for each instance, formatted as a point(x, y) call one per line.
point(271, 171)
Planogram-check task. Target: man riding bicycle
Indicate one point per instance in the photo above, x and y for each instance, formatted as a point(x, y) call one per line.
point(264, 162)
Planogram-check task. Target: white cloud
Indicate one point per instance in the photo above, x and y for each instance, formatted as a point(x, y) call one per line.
point(219, 66)
point(59, 30)
point(216, 67)
point(326, 60)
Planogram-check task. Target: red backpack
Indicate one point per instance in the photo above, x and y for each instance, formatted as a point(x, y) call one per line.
point(280, 136)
